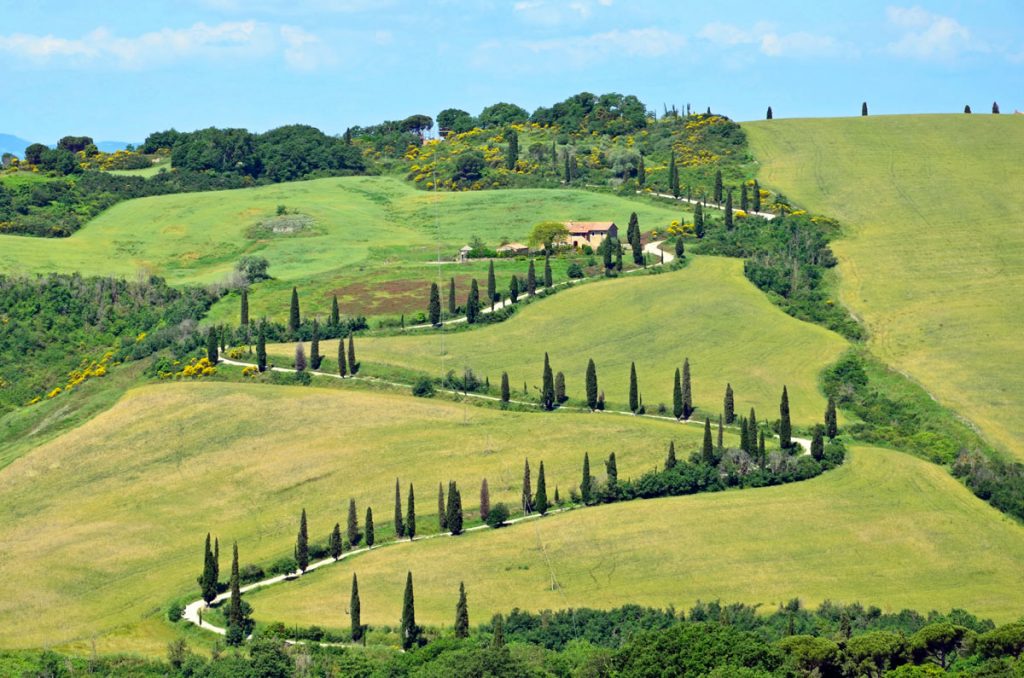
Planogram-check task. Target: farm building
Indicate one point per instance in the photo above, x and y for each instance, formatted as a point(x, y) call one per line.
point(464, 253)
point(590, 233)
point(513, 249)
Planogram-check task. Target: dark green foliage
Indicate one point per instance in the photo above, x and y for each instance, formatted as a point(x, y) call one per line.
point(261, 348)
point(591, 384)
point(442, 514)
point(336, 312)
point(370, 536)
point(719, 188)
point(353, 365)
point(708, 450)
point(473, 303)
point(434, 308)
point(670, 460)
point(729, 406)
point(293, 313)
point(355, 611)
point(352, 532)
point(995, 108)
point(506, 393)
point(633, 237)
point(680, 247)
point(744, 200)
point(302, 544)
point(315, 357)
point(762, 453)
point(208, 580)
point(300, 357)
point(540, 502)
point(547, 394)
point(606, 253)
point(673, 176)
point(721, 436)
point(531, 279)
point(818, 444)
point(694, 650)
point(498, 514)
point(560, 396)
point(399, 520)
point(462, 614)
point(967, 109)
point(548, 280)
point(728, 211)
point(769, 115)
point(410, 516)
point(453, 309)
point(342, 360)
point(492, 285)
point(211, 345)
point(687, 390)
point(752, 430)
point(513, 290)
point(677, 396)
point(453, 511)
point(512, 154)
point(485, 500)
point(498, 638)
point(409, 631)
point(641, 172)
point(586, 483)
point(334, 543)
point(744, 435)
point(239, 612)
point(831, 420)
point(785, 426)
point(864, 108)
point(634, 394)
point(244, 313)
point(757, 196)
point(527, 497)
point(611, 469)
point(698, 220)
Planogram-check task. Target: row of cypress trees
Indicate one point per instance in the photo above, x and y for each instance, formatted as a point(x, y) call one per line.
point(473, 301)
point(410, 632)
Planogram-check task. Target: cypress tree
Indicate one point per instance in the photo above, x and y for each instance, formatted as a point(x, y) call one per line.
point(334, 543)
point(410, 632)
point(370, 536)
point(554, 156)
point(634, 401)
point(335, 312)
point(541, 501)
point(498, 641)
point(670, 460)
point(721, 435)
point(452, 308)
point(586, 484)
point(547, 396)
point(752, 433)
point(485, 501)
point(353, 525)
point(462, 614)
point(473, 302)
point(745, 444)
point(353, 366)
point(761, 452)
point(302, 544)
point(606, 255)
point(558, 499)
point(641, 173)
point(785, 427)
point(677, 396)
point(729, 406)
point(698, 220)
point(237, 622)
point(410, 516)
point(261, 349)
point(527, 499)
point(211, 346)
point(864, 108)
point(513, 289)
point(612, 470)
point(634, 239)
point(399, 521)
point(531, 279)
point(757, 196)
point(680, 247)
point(245, 307)
point(505, 391)
point(355, 611)
point(454, 509)
point(591, 384)
point(673, 176)
point(293, 314)
point(492, 285)
point(719, 187)
point(512, 156)
point(216, 560)
point(769, 116)
point(548, 280)
point(967, 109)
point(208, 580)
point(708, 451)
point(818, 444)
point(300, 357)
point(342, 362)
point(831, 423)
point(618, 256)
point(442, 515)
point(744, 200)
point(314, 347)
point(728, 211)
point(560, 396)
point(434, 309)
point(687, 390)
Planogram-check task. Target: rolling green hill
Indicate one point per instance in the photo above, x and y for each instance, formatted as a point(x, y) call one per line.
point(933, 257)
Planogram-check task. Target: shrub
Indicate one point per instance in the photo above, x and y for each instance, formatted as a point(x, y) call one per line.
point(498, 515)
point(175, 611)
point(281, 566)
point(423, 388)
point(250, 573)
point(575, 270)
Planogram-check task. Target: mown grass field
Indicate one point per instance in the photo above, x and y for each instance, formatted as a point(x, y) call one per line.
point(103, 526)
point(707, 311)
point(934, 257)
point(884, 529)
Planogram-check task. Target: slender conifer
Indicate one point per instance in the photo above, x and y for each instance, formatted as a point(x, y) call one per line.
point(353, 525)
point(462, 614)
point(591, 384)
point(302, 544)
point(485, 501)
point(634, 395)
point(261, 348)
point(670, 460)
point(334, 543)
point(442, 510)
point(410, 516)
point(785, 427)
point(708, 451)
point(434, 309)
point(293, 314)
point(245, 308)
point(370, 536)
point(586, 483)
point(831, 423)
point(355, 611)
point(531, 279)
point(399, 518)
point(687, 390)
point(527, 499)
point(410, 632)
point(541, 501)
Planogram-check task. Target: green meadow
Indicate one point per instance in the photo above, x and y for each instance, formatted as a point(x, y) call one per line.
point(934, 220)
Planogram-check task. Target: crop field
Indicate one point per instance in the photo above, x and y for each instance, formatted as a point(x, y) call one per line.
point(707, 311)
point(116, 510)
point(884, 529)
point(932, 259)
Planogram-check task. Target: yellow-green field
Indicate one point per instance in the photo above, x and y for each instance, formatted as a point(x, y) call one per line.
point(934, 257)
point(104, 525)
point(884, 529)
point(708, 311)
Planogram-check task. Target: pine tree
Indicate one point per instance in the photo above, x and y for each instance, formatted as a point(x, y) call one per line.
point(540, 503)
point(245, 308)
point(752, 431)
point(355, 611)
point(531, 279)
point(314, 347)
point(302, 544)
point(462, 614)
point(334, 543)
point(492, 285)
point(708, 451)
point(641, 173)
point(498, 641)
point(434, 309)
point(208, 580)
point(527, 499)
point(353, 366)
point(864, 108)
point(721, 435)
point(335, 312)
point(719, 187)
point(261, 349)
point(505, 390)
point(485, 501)
point(744, 199)
point(729, 408)
point(399, 520)
point(757, 196)
point(670, 460)
point(513, 289)
point(547, 395)
point(452, 308)
point(698, 220)
point(831, 423)
point(410, 516)
point(410, 632)
point(300, 357)
point(687, 390)
point(591, 384)
point(370, 536)
point(442, 515)
point(473, 302)
point(818, 444)
point(548, 280)
point(342, 362)
point(211, 346)
point(586, 484)
point(353, 525)
point(677, 396)
point(728, 211)
point(454, 509)
point(293, 314)
point(785, 427)
point(512, 155)
point(634, 396)
point(560, 396)
point(769, 116)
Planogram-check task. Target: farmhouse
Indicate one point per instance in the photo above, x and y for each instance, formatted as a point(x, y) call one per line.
point(590, 233)
point(513, 249)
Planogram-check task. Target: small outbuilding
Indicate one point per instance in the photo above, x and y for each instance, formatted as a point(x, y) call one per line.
point(513, 249)
point(464, 253)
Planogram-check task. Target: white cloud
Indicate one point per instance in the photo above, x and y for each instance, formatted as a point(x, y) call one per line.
point(555, 12)
point(770, 42)
point(303, 51)
point(927, 35)
point(582, 50)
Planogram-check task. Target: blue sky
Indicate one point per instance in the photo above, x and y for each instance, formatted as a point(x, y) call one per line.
point(117, 69)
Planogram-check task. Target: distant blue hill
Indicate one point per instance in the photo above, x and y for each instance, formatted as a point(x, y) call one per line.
point(16, 145)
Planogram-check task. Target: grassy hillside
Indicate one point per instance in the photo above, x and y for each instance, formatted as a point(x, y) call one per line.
point(115, 511)
point(707, 311)
point(935, 246)
point(885, 529)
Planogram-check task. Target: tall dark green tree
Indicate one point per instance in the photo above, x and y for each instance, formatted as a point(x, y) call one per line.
point(634, 392)
point(641, 172)
point(531, 279)
point(560, 396)
point(211, 346)
point(399, 517)
point(506, 391)
point(673, 176)
point(762, 454)
point(492, 285)
point(633, 234)
point(512, 154)
point(606, 256)
point(300, 357)
point(719, 187)
point(473, 302)
point(586, 483)
point(410, 515)
point(687, 390)
point(485, 500)
point(454, 509)
point(452, 306)
point(745, 444)
point(355, 611)
point(728, 211)
point(239, 622)
point(245, 308)
point(315, 357)
point(591, 384)
point(547, 394)
point(208, 580)
point(680, 247)
point(611, 469)
point(527, 499)
point(818, 444)
point(729, 406)
point(677, 396)
point(752, 431)
point(353, 525)
point(434, 309)
point(670, 459)
point(864, 108)
point(617, 246)
point(769, 116)
point(540, 503)
point(370, 536)
point(302, 544)
point(708, 450)
point(567, 174)
point(353, 365)
point(785, 426)
point(342, 360)
point(721, 435)
point(698, 220)
point(334, 543)
point(216, 559)
point(548, 279)
point(261, 348)
point(744, 199)
point(513, 289)
point(498, 639)
point(462, 614)
point(410, 632)
point(293, 314)
point(995, 108)
point(757, 196)
point(442, 509)
point(831, 422)
point(335, 312)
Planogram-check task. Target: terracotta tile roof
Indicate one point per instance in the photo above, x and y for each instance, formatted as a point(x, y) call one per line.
point(583, 227)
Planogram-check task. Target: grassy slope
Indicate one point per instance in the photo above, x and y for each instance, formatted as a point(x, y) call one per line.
point(934, 258)
point(114, 512)
point(707, 311)
point(885, 529)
